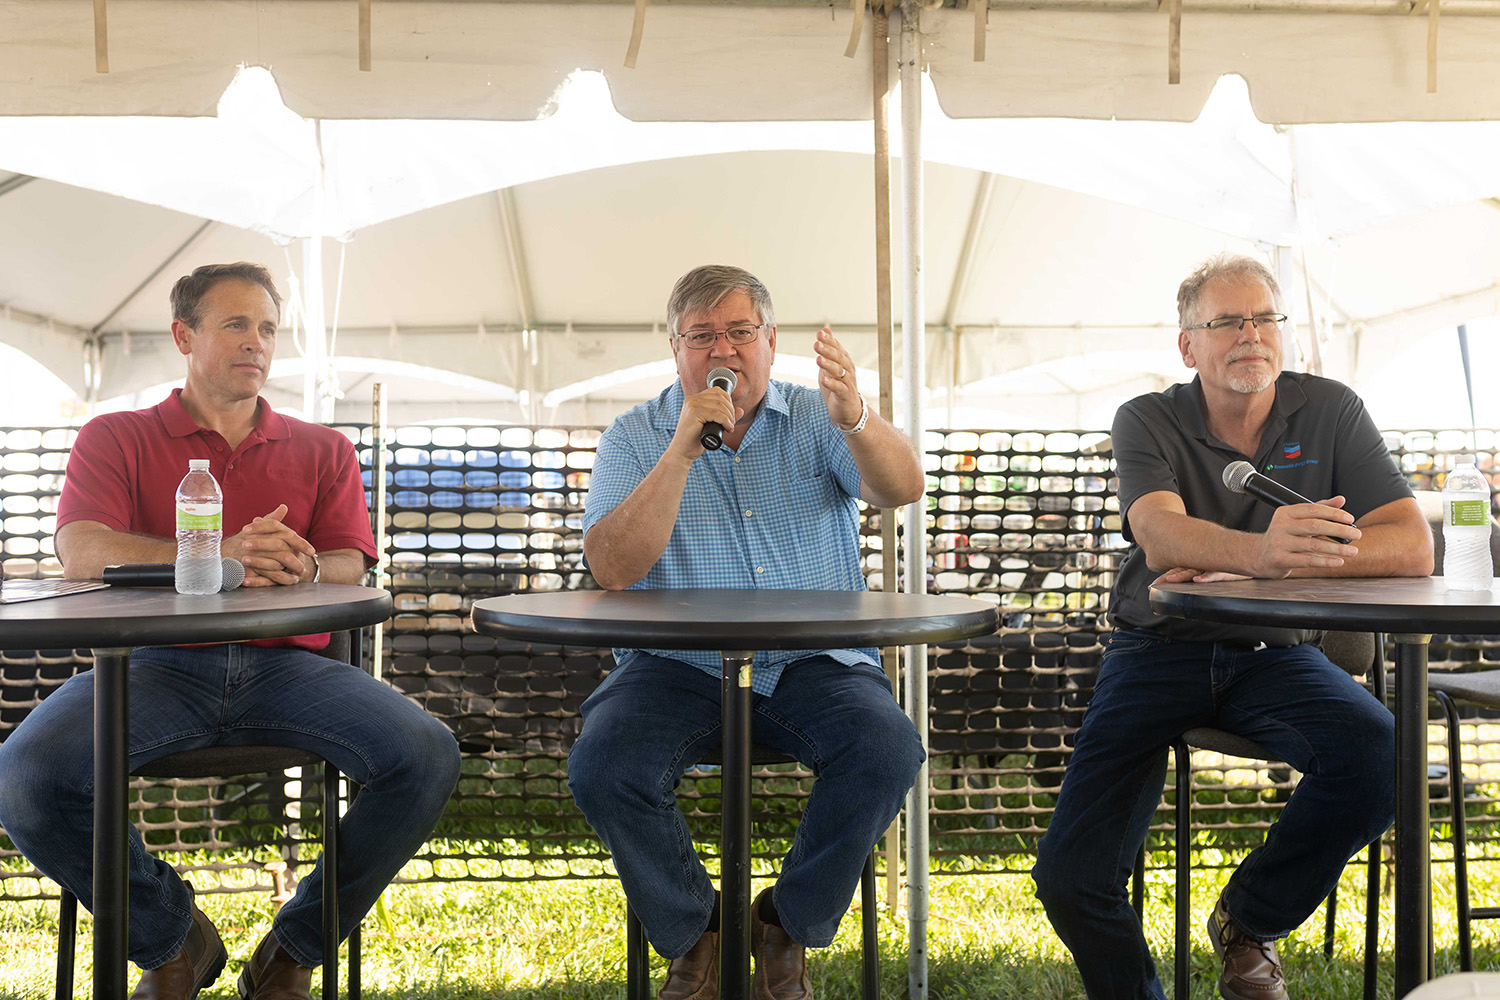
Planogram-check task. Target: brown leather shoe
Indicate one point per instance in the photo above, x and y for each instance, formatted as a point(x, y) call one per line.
point(272, 974)
point(195, 966)
point(1252, 969)
point(780, 962)
point(694, 976)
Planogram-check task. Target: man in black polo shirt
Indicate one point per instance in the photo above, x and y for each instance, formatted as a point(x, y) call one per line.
point(1161, 677)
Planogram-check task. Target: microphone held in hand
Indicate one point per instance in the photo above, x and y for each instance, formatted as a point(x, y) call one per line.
point(712, 436)
point(1241, 477)
point(165, 575)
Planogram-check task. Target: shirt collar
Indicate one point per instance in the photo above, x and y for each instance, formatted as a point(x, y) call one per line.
point(270, 425)
point(1289, 399)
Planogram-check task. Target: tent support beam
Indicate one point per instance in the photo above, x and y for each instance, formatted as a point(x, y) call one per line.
point(20, 180)
point(197, 234)
point(963, 273)
point(913, 350)
point(880, 55)
point(515, 252)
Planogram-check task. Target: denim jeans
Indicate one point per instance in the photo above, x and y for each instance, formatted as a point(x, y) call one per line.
point(1150, 690)
point(183, 699)
point(652, 719)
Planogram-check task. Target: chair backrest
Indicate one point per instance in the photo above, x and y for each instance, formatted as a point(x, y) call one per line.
point(1354, 652)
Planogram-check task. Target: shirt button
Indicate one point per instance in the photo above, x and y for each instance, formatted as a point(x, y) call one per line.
point(760, 569)
point(747, 513)
point(736, 460)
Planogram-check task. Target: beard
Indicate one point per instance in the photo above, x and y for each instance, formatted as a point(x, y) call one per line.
point(1251, 382)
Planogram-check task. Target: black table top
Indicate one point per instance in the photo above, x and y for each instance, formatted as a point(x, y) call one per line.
point(733, 619)
point(1402, 604)
point(121, 616)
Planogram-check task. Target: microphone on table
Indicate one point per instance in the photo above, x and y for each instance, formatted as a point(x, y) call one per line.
point(165, 575)
point(1241, 477)
point(712, 436)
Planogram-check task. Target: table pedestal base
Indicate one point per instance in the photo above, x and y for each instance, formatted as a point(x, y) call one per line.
point(1413, 890)
point(111, 821)
point(734, 856)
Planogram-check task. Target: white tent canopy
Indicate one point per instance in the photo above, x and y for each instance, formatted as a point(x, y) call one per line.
point(1306, 60)
point(1049, 241)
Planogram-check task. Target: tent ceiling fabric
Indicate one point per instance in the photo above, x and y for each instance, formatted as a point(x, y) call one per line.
point(737, 62)
point(1057, 275)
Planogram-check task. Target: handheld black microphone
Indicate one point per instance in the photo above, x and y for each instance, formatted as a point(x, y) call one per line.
point(165, 575)
point(1241, 477)
point(712, 437)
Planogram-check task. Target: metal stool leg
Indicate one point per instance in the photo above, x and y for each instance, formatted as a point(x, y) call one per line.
point(1329, 917)
point(870, 939)
point(1138, 883)
point(1182, 759)
point(354, 963)
point(1460, 843)
point(331, 781)
point(1372, 919)
point(637, 958)
point(67, 943)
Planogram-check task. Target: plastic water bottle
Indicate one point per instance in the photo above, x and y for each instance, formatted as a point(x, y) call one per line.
point(200, 527)
point(1466, 530)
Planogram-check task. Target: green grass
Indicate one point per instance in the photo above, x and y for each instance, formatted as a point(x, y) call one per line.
point(564, 940)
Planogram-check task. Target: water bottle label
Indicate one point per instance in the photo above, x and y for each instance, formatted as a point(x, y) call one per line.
point(200, 516)
point(1468, 513)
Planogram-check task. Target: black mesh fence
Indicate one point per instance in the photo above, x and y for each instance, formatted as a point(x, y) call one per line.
point(1027, 520)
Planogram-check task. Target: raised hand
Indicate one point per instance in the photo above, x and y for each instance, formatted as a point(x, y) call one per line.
point(836, 380)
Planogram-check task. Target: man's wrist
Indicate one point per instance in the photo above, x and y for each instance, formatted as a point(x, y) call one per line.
point(317, 568)
point(859, 425)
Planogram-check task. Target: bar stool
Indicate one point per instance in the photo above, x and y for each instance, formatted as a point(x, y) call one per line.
point(238, 761)
point(1356, 652)
point(1481, 689)
point(638, 951)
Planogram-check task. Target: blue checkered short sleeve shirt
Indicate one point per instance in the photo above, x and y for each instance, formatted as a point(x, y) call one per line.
point(778, 514)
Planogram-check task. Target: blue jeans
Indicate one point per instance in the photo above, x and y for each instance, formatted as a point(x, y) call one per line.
point(651, 720)
point(183, 699)
point(1150, 690)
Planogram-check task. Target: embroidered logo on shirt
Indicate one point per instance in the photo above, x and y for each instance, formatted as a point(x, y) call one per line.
point(1291, 450)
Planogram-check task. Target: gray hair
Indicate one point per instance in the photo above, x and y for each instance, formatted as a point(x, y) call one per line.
point(1234, 267)
point(703, 288)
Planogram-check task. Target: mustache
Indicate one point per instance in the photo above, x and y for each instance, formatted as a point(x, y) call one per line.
point(1249, 350)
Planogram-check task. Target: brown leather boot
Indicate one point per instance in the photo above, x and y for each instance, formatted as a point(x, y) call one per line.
point(272, 974)
point(694, 976)
point(780, 962)
point(1252, 969)
point(195, 966)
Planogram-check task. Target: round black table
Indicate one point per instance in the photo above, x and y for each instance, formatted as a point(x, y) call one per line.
point(735, 623)
point(1412, 609)
point(113, 621)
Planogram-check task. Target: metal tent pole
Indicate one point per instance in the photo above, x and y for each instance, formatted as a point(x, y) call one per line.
point(913, 349)
point(890, 656)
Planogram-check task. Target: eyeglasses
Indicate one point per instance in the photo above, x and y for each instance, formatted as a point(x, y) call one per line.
point(739, 336)
point(1264, 323)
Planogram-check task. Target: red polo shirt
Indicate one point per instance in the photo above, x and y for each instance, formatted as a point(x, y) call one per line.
point(124, 469)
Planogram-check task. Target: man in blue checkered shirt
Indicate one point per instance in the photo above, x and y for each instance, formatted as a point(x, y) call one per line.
point(774, 508)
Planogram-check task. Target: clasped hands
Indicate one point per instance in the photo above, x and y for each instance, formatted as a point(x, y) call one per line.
point(272, 553)
point(1304, 536)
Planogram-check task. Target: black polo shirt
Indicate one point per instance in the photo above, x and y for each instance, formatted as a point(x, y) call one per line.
point(1318, 441)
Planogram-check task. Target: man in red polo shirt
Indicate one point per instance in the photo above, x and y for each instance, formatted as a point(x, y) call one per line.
point(294, 512)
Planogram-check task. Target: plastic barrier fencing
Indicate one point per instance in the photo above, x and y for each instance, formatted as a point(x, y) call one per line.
point(1028, 520)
